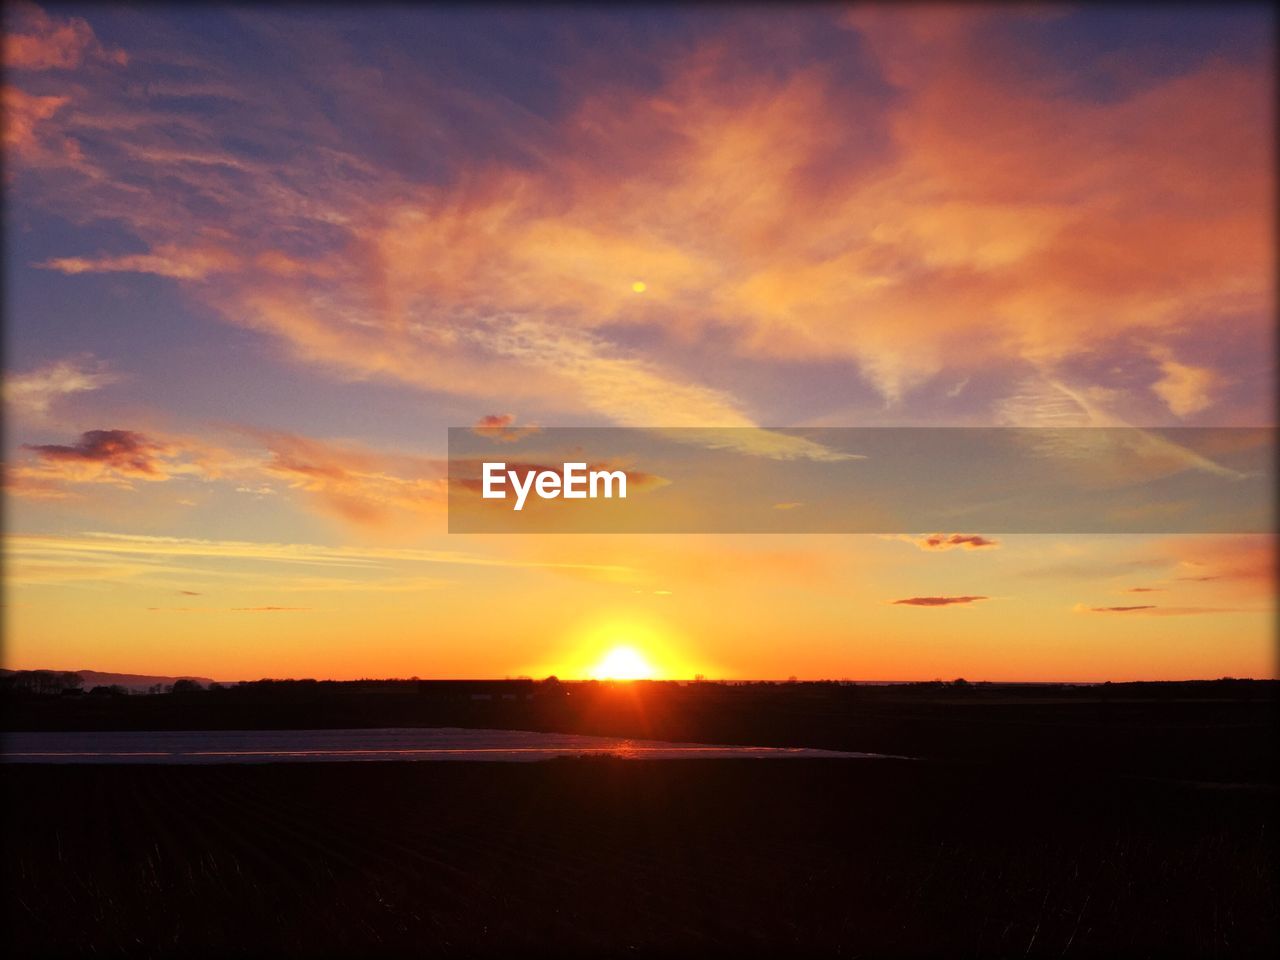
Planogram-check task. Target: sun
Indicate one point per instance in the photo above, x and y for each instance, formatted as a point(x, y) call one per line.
point(623, 663)
point(639, 286)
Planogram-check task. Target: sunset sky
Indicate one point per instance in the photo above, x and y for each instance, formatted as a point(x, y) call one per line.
point(258, 262)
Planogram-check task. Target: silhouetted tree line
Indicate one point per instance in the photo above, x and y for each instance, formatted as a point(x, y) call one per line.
point(41, 682)
point(109, 690)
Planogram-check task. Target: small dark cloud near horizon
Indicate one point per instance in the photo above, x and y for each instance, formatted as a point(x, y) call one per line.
point(191, 593)
point(1146, 606)
point(267, 609)
point(1145, 590)
point(969, 541)
point(936, 601)
point(947, 541)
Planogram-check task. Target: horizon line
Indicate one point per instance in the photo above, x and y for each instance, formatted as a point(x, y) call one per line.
point(677, 680)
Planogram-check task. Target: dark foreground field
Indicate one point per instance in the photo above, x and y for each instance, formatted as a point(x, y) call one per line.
point(853, 858)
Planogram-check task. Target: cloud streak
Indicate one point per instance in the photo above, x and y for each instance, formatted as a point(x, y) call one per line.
point(1162, 611)
point(938, 601)
point(950, 541)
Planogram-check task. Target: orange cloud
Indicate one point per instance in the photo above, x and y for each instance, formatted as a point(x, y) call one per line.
point(357, 485)
point(1237, 566)
point(32, 485)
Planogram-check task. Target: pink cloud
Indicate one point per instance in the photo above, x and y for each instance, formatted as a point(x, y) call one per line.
point(37, 41)
point(27, 133)
point(500, 427)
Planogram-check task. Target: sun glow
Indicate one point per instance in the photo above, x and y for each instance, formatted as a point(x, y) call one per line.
point(625, 644)
point(623, 663)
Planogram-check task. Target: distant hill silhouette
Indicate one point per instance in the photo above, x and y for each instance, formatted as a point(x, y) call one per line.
point(135, 682)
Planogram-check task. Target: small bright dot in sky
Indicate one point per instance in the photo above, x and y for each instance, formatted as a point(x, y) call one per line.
point(639, 286)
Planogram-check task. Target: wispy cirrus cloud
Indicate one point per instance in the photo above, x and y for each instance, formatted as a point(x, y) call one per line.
point(166, 260)
point(36, 391)
point(113, 557)
point(1161, 611)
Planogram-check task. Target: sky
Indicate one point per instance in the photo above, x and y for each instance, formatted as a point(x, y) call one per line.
point(257, 262)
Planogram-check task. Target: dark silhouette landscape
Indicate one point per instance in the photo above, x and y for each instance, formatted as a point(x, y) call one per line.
point(1034, 819)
